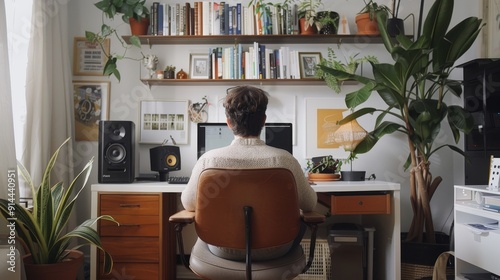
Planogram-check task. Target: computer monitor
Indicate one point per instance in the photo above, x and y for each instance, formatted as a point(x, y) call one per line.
point(216, 135)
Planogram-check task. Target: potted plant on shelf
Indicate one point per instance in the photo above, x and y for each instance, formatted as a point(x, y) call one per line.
point(308, 19)
point(328, 22)
point(131, 11)
point(323, 168)
point(349, 64)
point(366, 21)
point(414, 87)
point(395, 25)
point(41, 229)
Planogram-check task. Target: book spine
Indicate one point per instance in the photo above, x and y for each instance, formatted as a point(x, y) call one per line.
point(160, 19)
point(154, 18)
point(187, 19)
point(238, 19)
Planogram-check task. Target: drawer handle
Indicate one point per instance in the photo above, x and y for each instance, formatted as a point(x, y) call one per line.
point(124, 205)
point(360, 203)
point(129, 225)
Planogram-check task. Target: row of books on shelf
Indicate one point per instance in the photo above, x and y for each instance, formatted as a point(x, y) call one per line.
point(221, 18)
point(256, 62)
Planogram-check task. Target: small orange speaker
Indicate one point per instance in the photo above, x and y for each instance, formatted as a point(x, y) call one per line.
point(165, 159)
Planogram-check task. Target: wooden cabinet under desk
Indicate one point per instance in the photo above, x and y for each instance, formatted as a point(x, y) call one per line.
point(381, 210)
point(142, 245)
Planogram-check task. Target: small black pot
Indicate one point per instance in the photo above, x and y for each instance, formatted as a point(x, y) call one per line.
point(330, 28)
point(395, 26)
point(352, 175)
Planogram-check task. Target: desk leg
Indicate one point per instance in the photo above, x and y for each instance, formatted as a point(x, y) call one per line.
point(169, 207)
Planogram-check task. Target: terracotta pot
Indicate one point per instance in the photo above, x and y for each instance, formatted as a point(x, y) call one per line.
point(323, 177)
point(65, 270)
point(366, 26)
point(311, 29)
point(139, 27)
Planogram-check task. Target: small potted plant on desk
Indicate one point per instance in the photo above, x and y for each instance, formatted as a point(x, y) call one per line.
point(323, 168)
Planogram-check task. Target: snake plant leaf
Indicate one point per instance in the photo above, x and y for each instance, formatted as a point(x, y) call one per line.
point(41, 229)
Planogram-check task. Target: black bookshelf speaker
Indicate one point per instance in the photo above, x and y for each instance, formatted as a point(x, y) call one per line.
point(165, 159)
point(116, 152)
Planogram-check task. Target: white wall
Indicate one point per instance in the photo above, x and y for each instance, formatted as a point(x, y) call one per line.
point(385, 160)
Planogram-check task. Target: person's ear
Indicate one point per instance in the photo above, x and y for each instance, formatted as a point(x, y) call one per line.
point(228, 122)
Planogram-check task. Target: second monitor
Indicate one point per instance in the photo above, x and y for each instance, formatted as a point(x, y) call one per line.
point(217, 135)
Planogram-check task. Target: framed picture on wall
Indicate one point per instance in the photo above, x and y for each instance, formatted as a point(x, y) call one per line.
point(89, 58)
point(163, 121)
point(91, 104)
point(199, 66)
point(307, 64)
point(322, 115)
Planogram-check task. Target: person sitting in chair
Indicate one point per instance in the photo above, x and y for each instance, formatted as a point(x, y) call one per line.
point(245, 108)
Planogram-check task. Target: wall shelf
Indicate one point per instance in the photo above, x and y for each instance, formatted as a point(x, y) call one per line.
point(263, 39)
point(199, 82)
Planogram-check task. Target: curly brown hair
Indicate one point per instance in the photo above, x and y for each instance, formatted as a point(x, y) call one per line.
point(246, 109)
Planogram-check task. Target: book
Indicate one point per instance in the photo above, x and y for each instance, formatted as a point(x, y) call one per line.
point(159, 19)
point(216, 18)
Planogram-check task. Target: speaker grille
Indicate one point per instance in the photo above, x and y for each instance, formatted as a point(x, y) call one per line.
point(116, 152)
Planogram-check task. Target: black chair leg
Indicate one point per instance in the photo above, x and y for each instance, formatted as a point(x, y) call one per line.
point(247, 210)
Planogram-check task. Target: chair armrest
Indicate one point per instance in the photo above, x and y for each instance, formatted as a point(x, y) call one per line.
point(313, 217)
point(183, 216)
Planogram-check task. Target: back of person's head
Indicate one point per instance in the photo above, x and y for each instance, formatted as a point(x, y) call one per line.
point(246, 110)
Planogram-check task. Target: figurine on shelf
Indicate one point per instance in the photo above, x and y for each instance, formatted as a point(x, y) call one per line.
point(169, 72)
point(181, 75)
point(150, 62)
point(159, 74)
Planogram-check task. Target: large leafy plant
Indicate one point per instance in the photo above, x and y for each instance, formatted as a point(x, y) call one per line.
point(42, 228)
point(414, 88)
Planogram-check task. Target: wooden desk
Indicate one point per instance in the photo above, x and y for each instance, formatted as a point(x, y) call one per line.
point(387, 254)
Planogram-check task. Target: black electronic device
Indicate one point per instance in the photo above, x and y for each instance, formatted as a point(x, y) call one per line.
point(481, 83)
point(217, 135)
point(116, 152)
point(164, 159)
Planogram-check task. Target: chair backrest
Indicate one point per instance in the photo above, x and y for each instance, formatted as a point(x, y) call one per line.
point(222, 194)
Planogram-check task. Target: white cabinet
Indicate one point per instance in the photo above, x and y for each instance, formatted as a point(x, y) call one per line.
point(477, 237)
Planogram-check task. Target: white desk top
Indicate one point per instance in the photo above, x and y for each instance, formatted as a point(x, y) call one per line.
point(332, 186)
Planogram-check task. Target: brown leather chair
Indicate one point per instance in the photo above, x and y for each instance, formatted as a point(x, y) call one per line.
point(246, 209)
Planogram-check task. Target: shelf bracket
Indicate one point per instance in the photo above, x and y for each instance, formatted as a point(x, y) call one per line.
point(149, 43)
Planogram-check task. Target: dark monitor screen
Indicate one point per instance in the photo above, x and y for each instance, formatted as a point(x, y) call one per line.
point(217, 135)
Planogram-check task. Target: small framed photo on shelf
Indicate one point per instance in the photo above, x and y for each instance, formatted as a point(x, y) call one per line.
point(91, 105)
point(164, 121)
point(307, 64)
point(199, 66)
point(89, 58)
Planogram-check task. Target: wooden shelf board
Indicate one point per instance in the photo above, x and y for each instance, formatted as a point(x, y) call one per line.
point(190, 82)
point(263, 39)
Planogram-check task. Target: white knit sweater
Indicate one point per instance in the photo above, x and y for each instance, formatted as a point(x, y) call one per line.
point(249, 153)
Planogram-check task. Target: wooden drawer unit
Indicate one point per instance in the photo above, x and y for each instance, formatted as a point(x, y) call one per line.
point(141, 246)
point(355, 204)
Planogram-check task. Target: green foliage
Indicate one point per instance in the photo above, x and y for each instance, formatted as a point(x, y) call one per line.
point(325, 164)
point(110, 8)
point(308, 9)
point(128, 8)
point(373, 8)
point(414, 87)
point(42, 228)
point(348, 65)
